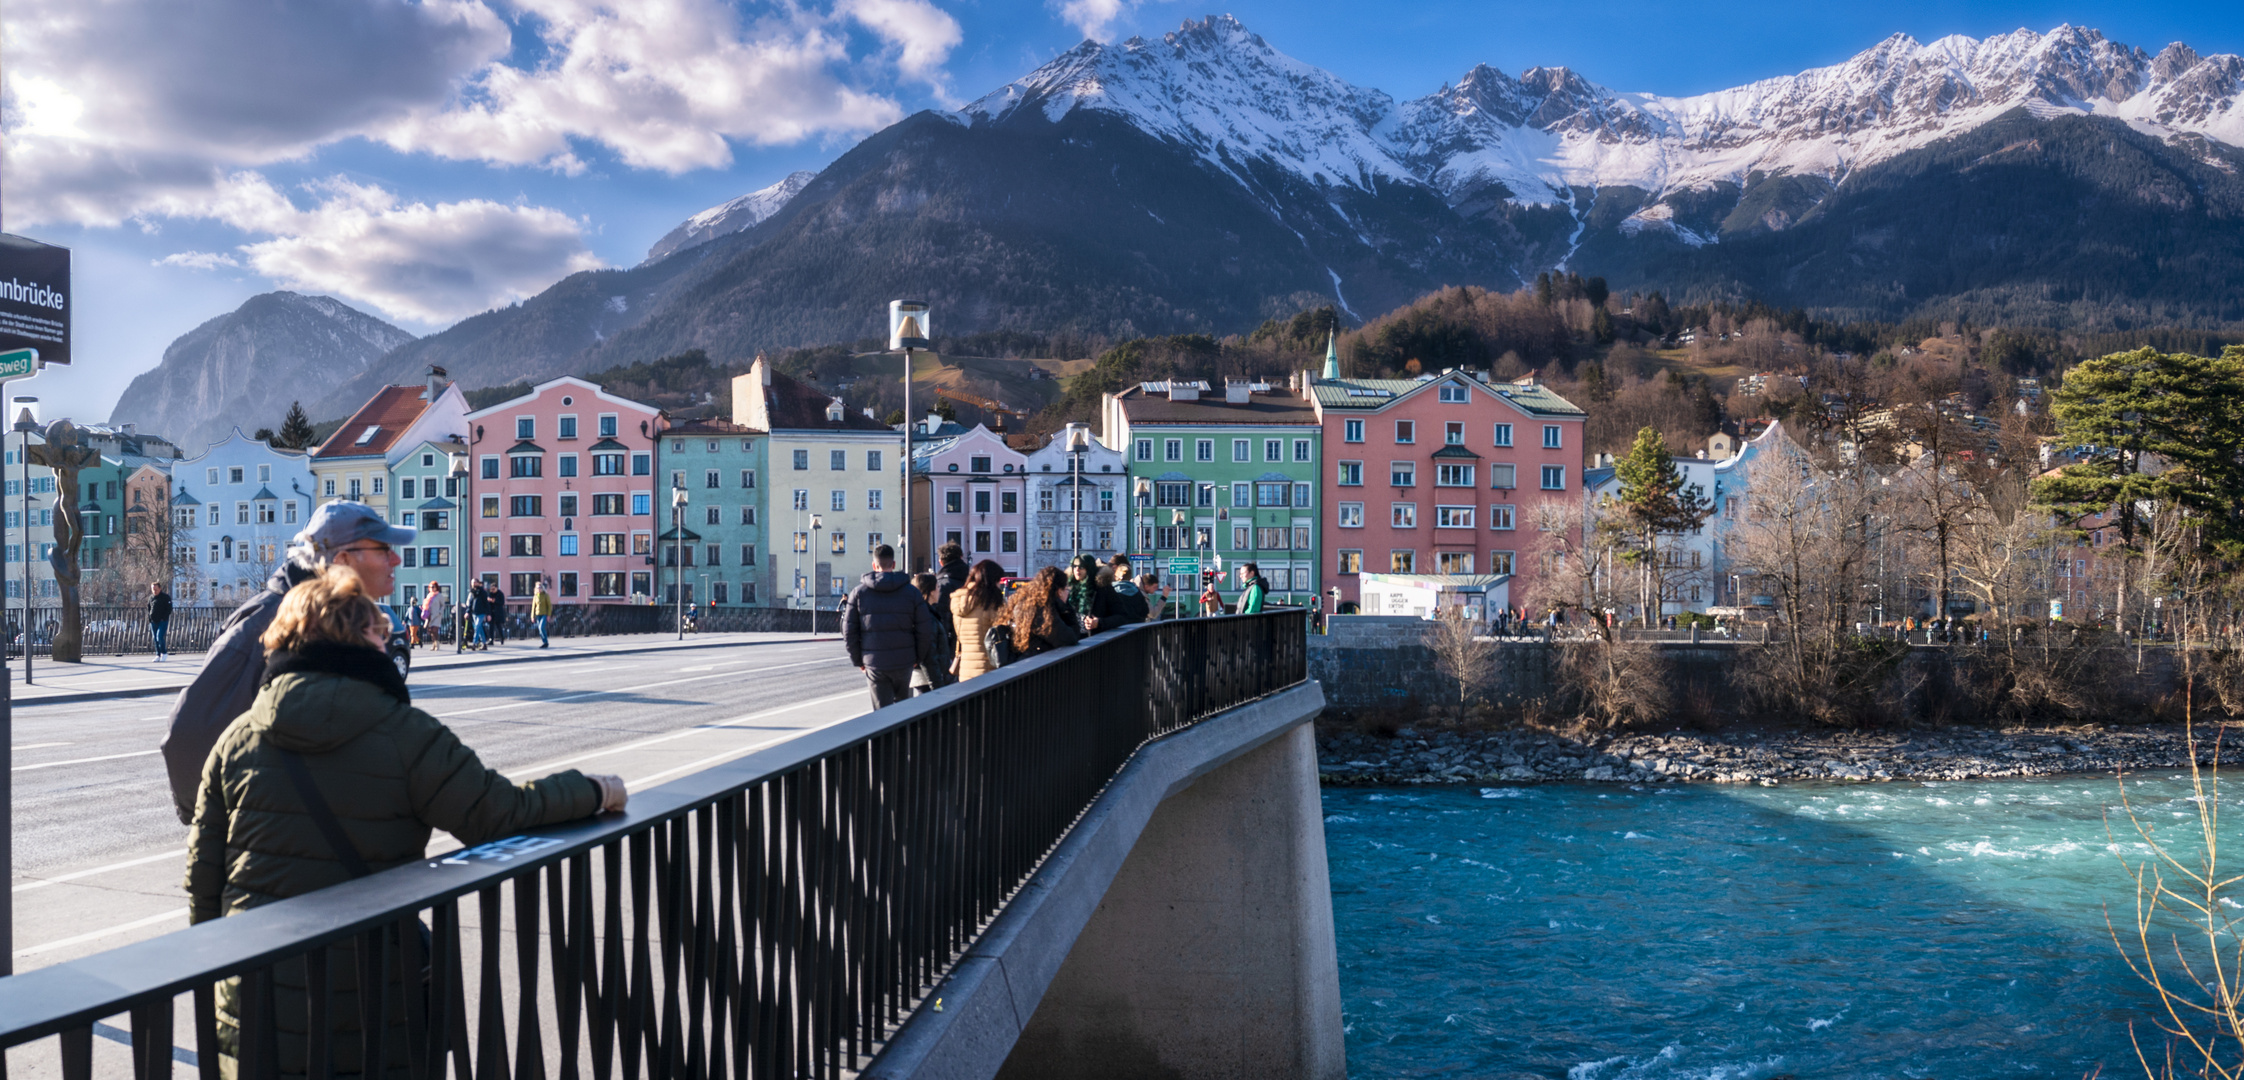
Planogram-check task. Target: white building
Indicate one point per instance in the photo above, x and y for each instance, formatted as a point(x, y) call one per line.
point(1697, 562)
point(1072, 489)
point(235, 506)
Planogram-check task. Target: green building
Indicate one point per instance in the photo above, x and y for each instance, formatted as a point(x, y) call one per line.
point(425, 496)
point(1220, 478)
point(721, 556)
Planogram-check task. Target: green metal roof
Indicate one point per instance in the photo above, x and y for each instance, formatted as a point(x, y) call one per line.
point(1371, 394)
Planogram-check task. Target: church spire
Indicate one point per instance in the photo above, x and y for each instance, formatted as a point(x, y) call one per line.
point(1332, 354)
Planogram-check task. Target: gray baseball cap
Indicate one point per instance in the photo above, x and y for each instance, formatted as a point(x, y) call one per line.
point(341, 523)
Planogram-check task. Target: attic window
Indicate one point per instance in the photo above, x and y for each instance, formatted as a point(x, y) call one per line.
point(367, 436)
point(835, 412)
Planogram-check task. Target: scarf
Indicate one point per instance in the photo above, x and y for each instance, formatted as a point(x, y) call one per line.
point(362, 662)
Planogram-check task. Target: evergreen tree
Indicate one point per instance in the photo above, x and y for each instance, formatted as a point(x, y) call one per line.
point(1543, 288)
point(296, 428)
point(1594, 385)
point(1601, 327)
point(1596, 292)
point(1654, 502)
point(263, 435)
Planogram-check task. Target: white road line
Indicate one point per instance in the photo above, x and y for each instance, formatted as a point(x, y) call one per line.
point(627, 689)
point(64, 943)
point(76, 874)
point(695, 730)
point(36, 745)
point(83, 760)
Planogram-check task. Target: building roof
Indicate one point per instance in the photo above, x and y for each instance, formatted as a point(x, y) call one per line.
point(710, 426)
point(1436, 580)
point(1372, 394)
point(376, 424)
point(797, 406)
point(1274, 406)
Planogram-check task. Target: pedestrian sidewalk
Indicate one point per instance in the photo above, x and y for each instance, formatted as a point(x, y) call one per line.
point(142, 676)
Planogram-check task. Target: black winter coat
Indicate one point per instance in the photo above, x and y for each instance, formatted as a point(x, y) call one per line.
point(886, 623)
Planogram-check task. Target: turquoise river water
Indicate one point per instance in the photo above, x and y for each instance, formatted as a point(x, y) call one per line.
point(1599, 932)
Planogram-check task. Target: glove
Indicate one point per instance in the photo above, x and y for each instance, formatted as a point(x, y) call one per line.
point(612, 794)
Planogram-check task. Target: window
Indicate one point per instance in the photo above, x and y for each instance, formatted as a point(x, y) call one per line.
point(1453, 433)
point(802, 499)
point(1044, 500)
point(837, 460)
point(1352, 430)
point(642, 503)
point(802, 541)
point(607, 464)
point(525, 427)
point(526, 546)
point(1203, 450)
point(1008, 541)
point(1145, 449)
point(954, 502)
point(490, 545)
point(1452, 393)
point(1301, 449)
point(1106, 501)
point(241, 513)
point(234, 474)
point(1272, 539)
point(210, 476)
point(1446, 475)
point(1273, 450)
point(1010, 502)
point(642, 543)
point(1172, 493)
point(607, 505)
point(872, 461)
point(1404, 516)
point(715, 515)
point(1554, 478)
point(568, 505)
point(1402, 562)
point(1402, 474)
point(436, 556)
point(1351, 474)
point(1503, 434)
point(1551, 436)
point(1272, 494)
point(872, 499)
point(327, 487)
point(837, 500)
point(1173, 449)
point(1301, 496)
point(1406, 431)
point(1504, 477)
point(747, 515)
point(1351, 515)
point(802, 460)
point(981, 502)
point(568, 427)
point(1455, 562)
point(1241, 450)
point(288, 512)
point(568, 543)
point(490, 468)
point(1044, 539)
point(840, 542)
point(409, 488)
point(607, 584)
point(1242, 537)
point(1106, 539)
point(1351, 562)
point(490, 506)
point(1502, 562)
point(1453, 517)
point(981, 540)
point(527, 506)
point(1503, 516)
point(747, 554)
point(435, 520)
point(712, 478)
point(1242, 493)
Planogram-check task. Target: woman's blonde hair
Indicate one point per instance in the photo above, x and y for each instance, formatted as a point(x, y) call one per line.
point(330, 607)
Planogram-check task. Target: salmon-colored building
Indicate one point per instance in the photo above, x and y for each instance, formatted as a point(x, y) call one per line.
point(562, 487)
point(1442, 474)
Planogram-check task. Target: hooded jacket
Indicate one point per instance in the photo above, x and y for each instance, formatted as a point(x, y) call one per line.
point(223, 689)
point(390, 772)
point(1129, 607)
point(886, 623)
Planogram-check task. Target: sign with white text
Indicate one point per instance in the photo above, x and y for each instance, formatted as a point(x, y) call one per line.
point(35, 298)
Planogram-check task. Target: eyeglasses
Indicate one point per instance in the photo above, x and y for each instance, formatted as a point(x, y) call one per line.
point(383, 548)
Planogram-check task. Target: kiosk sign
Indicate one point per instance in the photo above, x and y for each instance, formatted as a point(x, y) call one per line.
point(35, 298)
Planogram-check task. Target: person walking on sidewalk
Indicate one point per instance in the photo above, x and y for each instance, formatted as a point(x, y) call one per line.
point(159, 619)
point(343, 533)
point(887, 628)
point(541, 609)
point(435, 608)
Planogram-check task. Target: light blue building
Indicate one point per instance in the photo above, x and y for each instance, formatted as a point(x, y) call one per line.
point(236, 505)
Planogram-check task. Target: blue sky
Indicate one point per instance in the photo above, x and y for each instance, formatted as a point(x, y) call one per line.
point(426, 159)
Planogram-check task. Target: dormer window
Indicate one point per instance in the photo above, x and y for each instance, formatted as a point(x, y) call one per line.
point(835, 410)
point(1453, 393)
point(979, 464)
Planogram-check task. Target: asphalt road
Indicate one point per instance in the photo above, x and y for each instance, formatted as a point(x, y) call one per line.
point(99, 853)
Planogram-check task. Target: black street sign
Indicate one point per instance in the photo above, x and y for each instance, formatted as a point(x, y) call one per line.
point(35, 298)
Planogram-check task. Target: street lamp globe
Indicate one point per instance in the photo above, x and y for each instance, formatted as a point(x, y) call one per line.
point(908, 326)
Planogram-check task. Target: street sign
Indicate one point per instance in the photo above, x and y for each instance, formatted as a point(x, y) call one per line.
point(1184, 567)
point(19, 363)
point(35, 298)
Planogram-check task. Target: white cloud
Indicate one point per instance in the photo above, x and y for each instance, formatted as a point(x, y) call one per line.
point(922, 34)
point(197, 260)
point(1094, 19)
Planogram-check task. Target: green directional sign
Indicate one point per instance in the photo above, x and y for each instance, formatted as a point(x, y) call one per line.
point(1184, 568)
point(18, 363)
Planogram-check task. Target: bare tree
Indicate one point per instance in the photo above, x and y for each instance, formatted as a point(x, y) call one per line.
point(1462, 656)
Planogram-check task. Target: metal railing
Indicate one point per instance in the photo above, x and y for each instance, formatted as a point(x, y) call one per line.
point(114, 629)
point(780, 915)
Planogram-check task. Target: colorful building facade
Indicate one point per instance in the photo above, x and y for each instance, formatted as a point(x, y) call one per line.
point(835, 487)
point(237, 505)
point(1079, 499)
point(972, 490)
point(720, 556)
point(354, 462)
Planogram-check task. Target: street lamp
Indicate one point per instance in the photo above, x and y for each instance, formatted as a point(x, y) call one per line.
point(459, 476)
point(907, 332)
point(1078, 444)
point(816, 523)
point(26, 425)
point(677, 550)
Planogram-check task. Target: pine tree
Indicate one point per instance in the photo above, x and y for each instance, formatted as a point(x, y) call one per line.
point(296, 429)
point(1654, 502)
point(1543, 288)
point(1596, 292)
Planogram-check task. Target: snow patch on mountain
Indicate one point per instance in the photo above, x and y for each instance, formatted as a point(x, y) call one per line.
point(730, 217)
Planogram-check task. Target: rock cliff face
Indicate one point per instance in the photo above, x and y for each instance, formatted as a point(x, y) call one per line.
point(246, 366)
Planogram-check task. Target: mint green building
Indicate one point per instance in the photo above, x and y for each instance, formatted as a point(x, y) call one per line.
point(1222, 477)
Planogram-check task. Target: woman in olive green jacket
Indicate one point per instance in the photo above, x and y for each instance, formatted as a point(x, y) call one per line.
point(388, 773)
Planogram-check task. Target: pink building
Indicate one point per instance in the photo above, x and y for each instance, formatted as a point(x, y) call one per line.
point(563, 488)
point(1442, 474)
point(971, 490)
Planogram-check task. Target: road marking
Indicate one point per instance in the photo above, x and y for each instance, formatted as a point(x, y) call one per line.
point(36, 745)
point(695, 730)
point(64, 943)
point(83, 760)
point(76, 874)
point(574, 695)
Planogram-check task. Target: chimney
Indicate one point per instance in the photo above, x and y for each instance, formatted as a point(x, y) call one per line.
point(132, 429)
point(437, 377)
point(1237, 391)
point(836, 411)
point(934, 421)
point(869, 413)
point(1180, 390)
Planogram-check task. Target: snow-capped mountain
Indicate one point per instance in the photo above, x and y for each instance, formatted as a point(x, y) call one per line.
point(731, 216)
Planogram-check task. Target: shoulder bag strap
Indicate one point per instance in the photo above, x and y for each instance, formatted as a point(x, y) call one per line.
point(322, 814)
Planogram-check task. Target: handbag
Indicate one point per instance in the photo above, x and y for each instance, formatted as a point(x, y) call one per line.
point(997, 644)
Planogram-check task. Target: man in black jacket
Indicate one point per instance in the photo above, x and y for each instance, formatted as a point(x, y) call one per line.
point(159, 619)
point(1093, 602)
point(888, 628)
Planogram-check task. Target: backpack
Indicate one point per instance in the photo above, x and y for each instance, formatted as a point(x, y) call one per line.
point(997, 644)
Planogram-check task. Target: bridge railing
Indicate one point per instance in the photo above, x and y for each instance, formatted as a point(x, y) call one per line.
point(778, 915)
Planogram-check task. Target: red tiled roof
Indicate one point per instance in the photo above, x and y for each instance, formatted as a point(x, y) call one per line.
point(389, 412)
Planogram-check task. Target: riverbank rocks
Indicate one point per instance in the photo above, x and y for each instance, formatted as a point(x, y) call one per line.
point(1426, 756)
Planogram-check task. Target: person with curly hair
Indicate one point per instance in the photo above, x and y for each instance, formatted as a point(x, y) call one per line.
point(1040, 615)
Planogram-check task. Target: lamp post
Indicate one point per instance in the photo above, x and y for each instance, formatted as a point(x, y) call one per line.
point(677, 553)
point(1078, 441)
point(816, 523)
point(459, 476)
point(25, 425)
point(907, 332)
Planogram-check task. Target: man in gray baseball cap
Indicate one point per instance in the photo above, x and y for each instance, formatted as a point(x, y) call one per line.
point(351, 535)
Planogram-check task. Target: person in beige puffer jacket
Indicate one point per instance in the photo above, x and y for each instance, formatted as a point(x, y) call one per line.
point(975, 608)
point(388, 772)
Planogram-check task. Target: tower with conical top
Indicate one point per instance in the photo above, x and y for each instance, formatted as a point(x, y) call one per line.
point(1332, 354)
